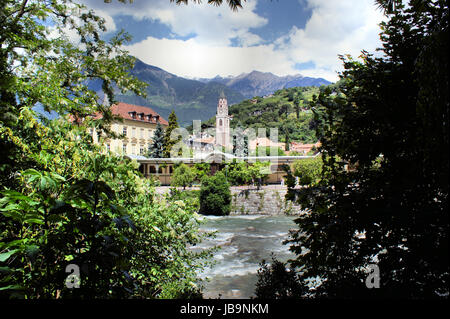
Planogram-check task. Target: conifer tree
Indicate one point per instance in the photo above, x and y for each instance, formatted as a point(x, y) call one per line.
point(156, 149)
point(168, 142)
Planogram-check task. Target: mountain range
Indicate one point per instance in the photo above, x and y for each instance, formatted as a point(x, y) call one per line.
point(196, 99)
point(258, 83)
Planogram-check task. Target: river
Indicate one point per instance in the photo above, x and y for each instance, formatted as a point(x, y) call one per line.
point(245, 240)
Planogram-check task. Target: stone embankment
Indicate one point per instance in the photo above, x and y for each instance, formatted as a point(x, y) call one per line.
point(268, 200)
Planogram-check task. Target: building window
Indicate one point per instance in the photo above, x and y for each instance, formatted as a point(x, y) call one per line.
point(170, 169)
point(133, 149)
point(141, 150)
point(124, 148)
point(152, 169)
point(124, 130)
point(134, 132)
point(142, 133)
point(220, 122)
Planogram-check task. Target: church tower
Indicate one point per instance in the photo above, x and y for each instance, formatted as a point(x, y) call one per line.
point(222, 122)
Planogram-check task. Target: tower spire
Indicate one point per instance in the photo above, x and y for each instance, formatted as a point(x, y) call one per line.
point(222, 122)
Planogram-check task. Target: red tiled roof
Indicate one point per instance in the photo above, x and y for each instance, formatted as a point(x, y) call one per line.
point(300, 147)
point(124, 110)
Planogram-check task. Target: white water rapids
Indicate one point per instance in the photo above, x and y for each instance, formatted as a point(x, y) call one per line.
point(245, 240)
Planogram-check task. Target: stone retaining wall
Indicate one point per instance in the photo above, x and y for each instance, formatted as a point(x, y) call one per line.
point(263, 201)
point(269, 200)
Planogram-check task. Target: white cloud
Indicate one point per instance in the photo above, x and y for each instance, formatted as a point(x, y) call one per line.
point(194, 59)
point(335, 27)
point(73, 35)
point(109, 21)
point(210, 24)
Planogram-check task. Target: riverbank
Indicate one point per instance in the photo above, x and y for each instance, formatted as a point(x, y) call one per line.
point(249, 200)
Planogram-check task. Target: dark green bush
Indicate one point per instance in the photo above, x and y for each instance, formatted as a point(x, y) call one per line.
point(215, 195)
point(275, 281)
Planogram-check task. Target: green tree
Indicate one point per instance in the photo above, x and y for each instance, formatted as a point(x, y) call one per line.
point(168, 141)
point(215, 195)
point(201, 170)
point(309, 171)
point(268, 151)
point(183, 176)
point(240, 142)
point(258, 172)
point(276, 282)
point(61, 200)
point(387, 118)
point(156, 149)
point(299, 102)
point(238, 173)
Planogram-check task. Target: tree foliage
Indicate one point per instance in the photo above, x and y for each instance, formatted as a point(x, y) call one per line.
point(238, 173)
point(201, 170)
point(183, 176)
point(387, 118)
point(277, 282)
point(309, 171)
point(62, 200)
point(169, 141)
point(277, 112)
point(268, 151)
point(156, 149)
point(215, 195)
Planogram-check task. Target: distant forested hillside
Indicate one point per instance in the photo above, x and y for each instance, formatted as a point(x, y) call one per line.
point(197, 99)
point(287, 109)
point(190, 99)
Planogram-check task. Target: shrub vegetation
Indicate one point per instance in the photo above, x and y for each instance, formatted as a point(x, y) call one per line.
point(215, 195)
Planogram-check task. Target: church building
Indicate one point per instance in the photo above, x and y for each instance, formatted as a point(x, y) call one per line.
point(223, 123)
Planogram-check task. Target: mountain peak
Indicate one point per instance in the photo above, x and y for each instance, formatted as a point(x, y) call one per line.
point(197, 98)
point(257, 83)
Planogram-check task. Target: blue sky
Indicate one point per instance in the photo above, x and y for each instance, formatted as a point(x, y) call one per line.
point(279, 36)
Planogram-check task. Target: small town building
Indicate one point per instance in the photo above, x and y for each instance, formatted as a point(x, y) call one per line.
point(264, 142)
point(138, 126)
point(303, 148)
point(202, 143)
